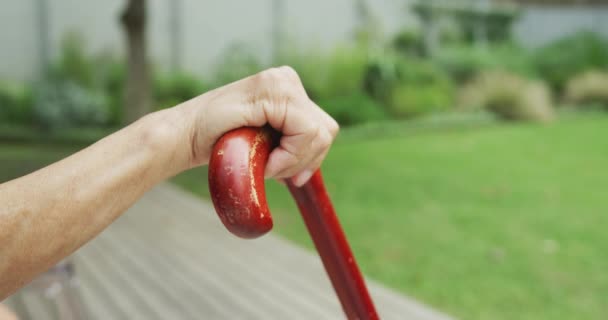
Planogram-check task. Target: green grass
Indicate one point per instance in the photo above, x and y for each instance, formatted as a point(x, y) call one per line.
point(492, 221)
point(500, 221)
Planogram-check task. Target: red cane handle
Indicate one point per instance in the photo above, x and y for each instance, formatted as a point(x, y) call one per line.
point(236, 183)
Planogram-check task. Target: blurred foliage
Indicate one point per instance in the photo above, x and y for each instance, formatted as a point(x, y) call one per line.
point(110, 77)
point(345, 71)
point(354, 108)
point(407, 86)
point(15, 103)
point(467, 16)
point(368, 29)
point(465, 62)
point(355, 83)
point(569, 56)
point(408, 42)
point(509, 96)
point(328, 74)
point(65, 103)
point(311, 66)
point(335, 81)
point(236, 62)
point(97, 79)
point(173, 88)
point(588, 89)
point(73, 62)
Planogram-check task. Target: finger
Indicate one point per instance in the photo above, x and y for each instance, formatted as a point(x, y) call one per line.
point(319, 146)
point(291, 156)
point(301, 178)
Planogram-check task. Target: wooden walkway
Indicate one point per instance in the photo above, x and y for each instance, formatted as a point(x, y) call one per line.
point(169, 257)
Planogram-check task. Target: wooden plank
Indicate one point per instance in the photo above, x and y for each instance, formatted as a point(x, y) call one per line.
point(249, 278)
point(169, 257)
point(262, 262)
point(391, 305)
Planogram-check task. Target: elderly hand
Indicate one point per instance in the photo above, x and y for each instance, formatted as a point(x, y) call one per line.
point(276, 97)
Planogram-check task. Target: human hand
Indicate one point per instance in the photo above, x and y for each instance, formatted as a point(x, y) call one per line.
point(276, 97)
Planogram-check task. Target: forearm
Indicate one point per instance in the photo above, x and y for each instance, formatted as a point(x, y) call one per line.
point(50, 213)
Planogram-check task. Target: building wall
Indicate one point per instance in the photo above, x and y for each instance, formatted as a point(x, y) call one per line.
point(539, 25)
point(208, 28)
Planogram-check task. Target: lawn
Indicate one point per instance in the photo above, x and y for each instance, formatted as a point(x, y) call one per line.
point(500, 221)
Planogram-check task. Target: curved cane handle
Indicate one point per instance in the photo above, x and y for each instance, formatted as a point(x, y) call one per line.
point(236, 183)
point(236, 180)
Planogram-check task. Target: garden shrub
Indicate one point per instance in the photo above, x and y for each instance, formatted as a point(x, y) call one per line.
point(64, 103)
point(345, 70)
point(588, 89)
point(353, 109)
point(100, 74)
point(73, 62)
point(463, 63)
point(509, 96)
point(112, 81)
point(408, 86)
point(311, 66)
point(408, 100)
point(15, 103)
point(409, 43)
point(174, 88)
point(236, 62)
point(569, 56)
point(327, 75)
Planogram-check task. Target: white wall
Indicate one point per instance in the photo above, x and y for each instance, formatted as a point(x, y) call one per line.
point(18, 50)
point(539, 25)
point(208, 28)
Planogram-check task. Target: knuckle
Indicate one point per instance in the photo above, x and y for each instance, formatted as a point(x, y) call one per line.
point(282, 73)
point(289, 72)
point(333, 127)
point(325, 140)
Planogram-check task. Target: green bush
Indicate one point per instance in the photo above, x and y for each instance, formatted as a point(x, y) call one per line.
point(73, 62)
point(15, 103)
point(588, 89)
point(409, 43)
point(172, 89)
point(570, 56)
point(509, 96)
point(463, 63)
point(64, 103)
point(408, 86)
point(236, 62)
point(110, 78)
point(353, 109)
point(328, 75)
point(102, 74)
point(345, 70)
point(310, 65)
point(416, 99)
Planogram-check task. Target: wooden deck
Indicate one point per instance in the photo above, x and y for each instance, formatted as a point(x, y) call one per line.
point(169, 257)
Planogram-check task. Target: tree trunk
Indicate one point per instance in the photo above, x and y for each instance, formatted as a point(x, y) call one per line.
point(137, 91)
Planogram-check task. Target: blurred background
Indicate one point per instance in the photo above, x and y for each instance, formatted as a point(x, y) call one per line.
point(470, 172)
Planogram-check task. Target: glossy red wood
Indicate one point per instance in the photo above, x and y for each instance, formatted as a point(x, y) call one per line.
point(329, 239)
point(236, 183)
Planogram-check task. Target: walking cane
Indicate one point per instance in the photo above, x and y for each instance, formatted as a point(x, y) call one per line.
point(236, 183)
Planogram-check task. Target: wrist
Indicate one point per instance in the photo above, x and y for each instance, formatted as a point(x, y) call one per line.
point(166, 134)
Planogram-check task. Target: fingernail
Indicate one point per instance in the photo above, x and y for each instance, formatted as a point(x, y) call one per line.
point(302, 178)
